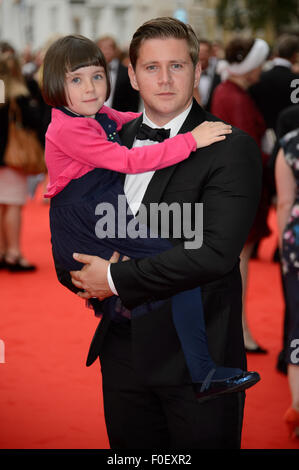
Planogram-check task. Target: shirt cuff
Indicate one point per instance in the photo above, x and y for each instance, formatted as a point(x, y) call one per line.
point(110, 281)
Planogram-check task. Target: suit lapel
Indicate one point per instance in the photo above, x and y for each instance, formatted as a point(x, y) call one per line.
point(161, 178)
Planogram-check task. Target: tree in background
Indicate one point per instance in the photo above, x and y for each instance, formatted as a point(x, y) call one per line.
point(270, 15)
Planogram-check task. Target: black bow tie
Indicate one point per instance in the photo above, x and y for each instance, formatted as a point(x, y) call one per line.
point(148, 133)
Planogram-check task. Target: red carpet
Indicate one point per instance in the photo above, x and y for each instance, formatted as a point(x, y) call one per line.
point(50, 400)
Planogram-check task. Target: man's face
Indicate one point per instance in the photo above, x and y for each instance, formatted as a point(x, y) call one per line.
point(165, 77)
point(204, 55)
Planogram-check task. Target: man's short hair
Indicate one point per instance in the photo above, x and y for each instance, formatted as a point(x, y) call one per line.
point(163, 28)
point(205, 41)
point(287, 45)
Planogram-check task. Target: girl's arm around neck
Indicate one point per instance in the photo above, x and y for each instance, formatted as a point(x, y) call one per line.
point(85, 141)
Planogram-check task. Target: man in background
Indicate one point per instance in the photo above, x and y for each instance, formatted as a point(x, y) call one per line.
point(149, 400)
point(209, 78)
point(273, 92)
point(122, 97)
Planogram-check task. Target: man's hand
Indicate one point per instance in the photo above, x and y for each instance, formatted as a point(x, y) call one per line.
point(93, 276)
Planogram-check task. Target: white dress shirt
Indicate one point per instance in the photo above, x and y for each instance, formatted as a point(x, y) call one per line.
point(136, 185)
point(206, 80)
point(282, 62)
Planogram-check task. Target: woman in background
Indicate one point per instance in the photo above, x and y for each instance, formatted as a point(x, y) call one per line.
point(13, 184)
point(287, 186)
point(232, 103)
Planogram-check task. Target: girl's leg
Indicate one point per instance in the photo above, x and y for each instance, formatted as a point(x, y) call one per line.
point(209, 379)
point(188, 317)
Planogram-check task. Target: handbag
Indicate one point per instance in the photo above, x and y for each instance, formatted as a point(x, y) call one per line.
point(23, 151)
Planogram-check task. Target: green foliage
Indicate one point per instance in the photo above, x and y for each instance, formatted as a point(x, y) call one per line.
point(257, 13)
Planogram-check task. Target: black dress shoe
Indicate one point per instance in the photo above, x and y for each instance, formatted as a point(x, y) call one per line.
point(256, 350)
point(2, 264)
point(19, 265)
point(211, 389)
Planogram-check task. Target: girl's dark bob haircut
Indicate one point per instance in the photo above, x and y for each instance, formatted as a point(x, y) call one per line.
point(65, 55)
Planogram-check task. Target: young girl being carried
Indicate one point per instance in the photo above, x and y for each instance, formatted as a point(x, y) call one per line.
point(83, 155)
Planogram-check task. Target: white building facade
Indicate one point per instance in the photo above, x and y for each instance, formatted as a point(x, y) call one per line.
point(34, 22)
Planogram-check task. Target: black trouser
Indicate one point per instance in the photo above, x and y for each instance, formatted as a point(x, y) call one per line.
point(142, 417)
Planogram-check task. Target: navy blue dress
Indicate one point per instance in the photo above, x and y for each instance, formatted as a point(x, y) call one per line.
point(73, 223)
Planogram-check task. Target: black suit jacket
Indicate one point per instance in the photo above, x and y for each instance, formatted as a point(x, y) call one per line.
point(226, 178)
point(125, 98)
point(215, 82)
point(273, 92)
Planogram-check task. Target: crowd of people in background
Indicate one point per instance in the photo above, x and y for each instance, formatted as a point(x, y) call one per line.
point(256, 99)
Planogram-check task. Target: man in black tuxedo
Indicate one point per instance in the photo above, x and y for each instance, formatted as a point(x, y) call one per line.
point(209, 78)
point(122, 97)
point(273, 92)
point(149, 400)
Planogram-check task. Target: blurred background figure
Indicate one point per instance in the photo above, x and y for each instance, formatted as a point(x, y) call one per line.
point(218, 49)
point(34, 81)
point(209, 77)
point(6, 48)
point(29, 66)
point(13, 184)
point(272, 93)
point(122, 97)
point(287, 184)
point(232, 103)
point(288, 120)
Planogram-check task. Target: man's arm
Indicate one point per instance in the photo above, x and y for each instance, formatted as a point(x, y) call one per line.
point(91, 267)
point(230, 200)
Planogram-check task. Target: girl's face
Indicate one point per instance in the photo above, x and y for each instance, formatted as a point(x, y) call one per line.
point(86, 90)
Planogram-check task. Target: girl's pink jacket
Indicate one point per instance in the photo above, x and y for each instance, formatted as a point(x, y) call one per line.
point(75, 146)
